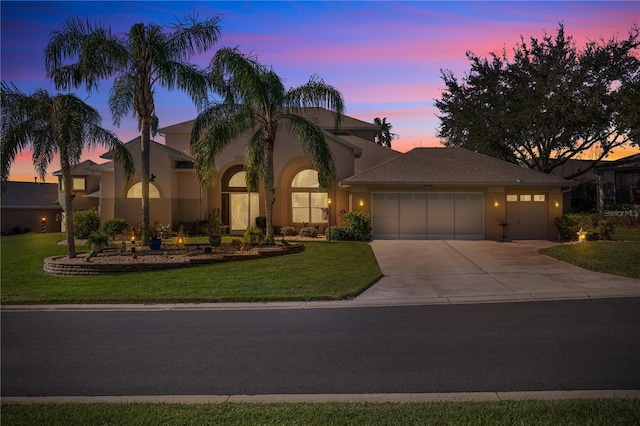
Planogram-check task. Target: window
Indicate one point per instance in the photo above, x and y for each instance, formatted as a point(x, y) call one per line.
point(306, 202)
point(525, 197)
point(78, 184)
point(539, 198)
point(511, 198)
point(136, 191)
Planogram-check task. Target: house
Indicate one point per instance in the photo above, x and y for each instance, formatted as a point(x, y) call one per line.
point(426, 193)
point(583, 197)
point(29, 207)
point(619, 182)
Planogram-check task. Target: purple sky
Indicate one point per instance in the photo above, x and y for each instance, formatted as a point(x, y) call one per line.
point(384, 57)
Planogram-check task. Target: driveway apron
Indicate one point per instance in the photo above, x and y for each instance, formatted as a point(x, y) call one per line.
point(416, 272)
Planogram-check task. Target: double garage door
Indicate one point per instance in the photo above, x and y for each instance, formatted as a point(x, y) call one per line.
point(428, 216)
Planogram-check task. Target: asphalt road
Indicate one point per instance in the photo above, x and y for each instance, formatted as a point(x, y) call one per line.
point(560, 345)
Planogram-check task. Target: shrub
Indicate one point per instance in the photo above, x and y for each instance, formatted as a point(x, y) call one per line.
point(309, 232)
point(253, 236)
point(595, 225)
point(85, 222)
point(261, 222)
point(288, 231)
point(357, 225)
point(277, 230)
point(115, 226)
point(98, 238)
point(337, 233)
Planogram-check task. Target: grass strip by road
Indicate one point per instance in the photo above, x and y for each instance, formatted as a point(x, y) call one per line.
point(323, 271)
point(610, 257)
point(610, 412)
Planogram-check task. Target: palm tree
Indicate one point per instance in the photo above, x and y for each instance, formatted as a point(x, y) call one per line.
point(254, 100)
point(384, 136)
point(146, 56)
point(61, 124)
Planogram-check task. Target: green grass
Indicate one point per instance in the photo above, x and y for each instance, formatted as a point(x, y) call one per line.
point(322, 271)
point(563, 412)
point(610, 257)
point(626, 234)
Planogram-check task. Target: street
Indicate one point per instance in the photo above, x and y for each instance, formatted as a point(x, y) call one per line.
point(556, 345)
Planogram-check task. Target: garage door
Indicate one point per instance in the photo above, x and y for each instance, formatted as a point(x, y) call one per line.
point(527, 216)
point(433, 216)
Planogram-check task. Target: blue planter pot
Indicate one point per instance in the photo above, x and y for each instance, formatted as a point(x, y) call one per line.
point(155, 244)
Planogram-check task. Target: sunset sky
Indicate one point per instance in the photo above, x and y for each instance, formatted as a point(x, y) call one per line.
point(384, 57)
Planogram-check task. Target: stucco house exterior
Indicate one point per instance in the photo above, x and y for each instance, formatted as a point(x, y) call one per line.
point(426, 193)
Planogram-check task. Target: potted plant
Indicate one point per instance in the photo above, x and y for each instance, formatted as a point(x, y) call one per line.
point(98, 241)
point(152, 235)
point(213, 229)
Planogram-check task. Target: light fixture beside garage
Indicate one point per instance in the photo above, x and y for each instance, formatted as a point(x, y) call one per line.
point(556, 203)
point(361, 202)
point(495, 203)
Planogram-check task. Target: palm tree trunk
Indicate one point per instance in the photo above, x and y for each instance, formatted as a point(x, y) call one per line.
point(269, 189)
point(145, 146)
point(68, 210)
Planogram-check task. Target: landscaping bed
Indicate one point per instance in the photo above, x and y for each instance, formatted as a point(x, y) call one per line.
point(114, 261)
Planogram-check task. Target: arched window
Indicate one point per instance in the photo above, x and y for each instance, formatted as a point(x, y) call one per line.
point(240, 207)
point(136, 191)
point(306, 202)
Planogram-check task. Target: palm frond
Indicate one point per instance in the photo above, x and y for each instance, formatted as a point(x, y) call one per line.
point(121, 97)
point(192, 36)
point(214, 129)
point(313, 143)
point(316, 93)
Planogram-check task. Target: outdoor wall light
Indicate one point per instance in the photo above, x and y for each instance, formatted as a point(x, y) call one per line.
point(329, 201)
point(582, 236)
point(556, 203)
point(361, 202)
point(495, 203)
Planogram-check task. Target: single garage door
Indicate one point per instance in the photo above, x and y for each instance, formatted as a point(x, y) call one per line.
point(432, 216)
point(527, 216)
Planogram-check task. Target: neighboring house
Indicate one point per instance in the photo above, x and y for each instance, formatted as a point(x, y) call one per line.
point(26, 206)
point(619, 182)
point(427, 193)
point(583, 197)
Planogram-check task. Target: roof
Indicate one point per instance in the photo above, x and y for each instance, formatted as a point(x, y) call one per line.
point(372, 153)
point(80, 169)
point(631, 162)
point(174, 154)
point(451, 166)
point(320, 116)
point(573, 166)
point(29, 195)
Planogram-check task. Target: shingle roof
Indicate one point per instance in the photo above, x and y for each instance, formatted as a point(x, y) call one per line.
point(372, 153)
point(173, 153)
point(80, 169)
point(451, 166)
point(29, 194)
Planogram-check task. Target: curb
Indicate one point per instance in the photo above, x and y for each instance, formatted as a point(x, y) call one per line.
point(327, 398)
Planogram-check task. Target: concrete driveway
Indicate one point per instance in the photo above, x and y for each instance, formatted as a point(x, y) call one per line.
point(422, 272)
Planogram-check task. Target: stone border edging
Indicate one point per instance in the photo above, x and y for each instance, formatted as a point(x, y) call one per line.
point(88, 269)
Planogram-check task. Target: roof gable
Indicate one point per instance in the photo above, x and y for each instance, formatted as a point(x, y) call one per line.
point(174, 154)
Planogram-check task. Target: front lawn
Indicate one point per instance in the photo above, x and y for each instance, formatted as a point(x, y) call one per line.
point(323, 271)
point(610, 257)
point(562, 412)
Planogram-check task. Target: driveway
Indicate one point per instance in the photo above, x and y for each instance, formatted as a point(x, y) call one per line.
point(419, 272)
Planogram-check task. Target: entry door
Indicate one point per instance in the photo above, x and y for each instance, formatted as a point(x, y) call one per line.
point(244, 209)
point(527, 216)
